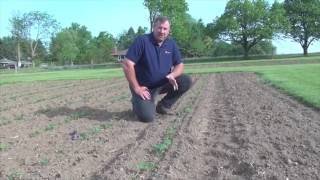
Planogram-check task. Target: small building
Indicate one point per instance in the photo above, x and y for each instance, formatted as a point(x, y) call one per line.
point(119, 55)
point(10, 64)
point(25, 64)
point(7, 64)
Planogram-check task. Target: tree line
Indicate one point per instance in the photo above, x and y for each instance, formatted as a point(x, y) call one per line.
point(245, 28)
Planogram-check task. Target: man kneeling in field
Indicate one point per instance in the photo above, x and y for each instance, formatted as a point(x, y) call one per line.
point(153, 65)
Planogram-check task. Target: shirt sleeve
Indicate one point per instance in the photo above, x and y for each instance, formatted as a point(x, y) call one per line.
point(135, 51)
point(176, 55)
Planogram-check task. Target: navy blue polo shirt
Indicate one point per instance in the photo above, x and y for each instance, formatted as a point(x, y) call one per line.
point(153, 62)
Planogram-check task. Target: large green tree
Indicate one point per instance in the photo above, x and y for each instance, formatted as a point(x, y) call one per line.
point(141, 31)
point(75, 45)
point(41, 52)
point(100, 48)
point(40, 27)
point(304, 20)
point(153, 7)
point(7, 48)
point(64, 47)
point(33, 27)
point(222, 48)
point(127, 37)
point(82, 39)
point(197, 42)
point(19, 32)
point(176, 11)
point(248, 22)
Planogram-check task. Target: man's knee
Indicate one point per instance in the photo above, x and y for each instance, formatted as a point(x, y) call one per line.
point(144, 111)
point(146, 117)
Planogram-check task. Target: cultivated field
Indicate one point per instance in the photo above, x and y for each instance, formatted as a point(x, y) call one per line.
point(228, 126)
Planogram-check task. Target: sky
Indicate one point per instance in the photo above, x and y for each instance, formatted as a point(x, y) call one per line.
point(116, 16)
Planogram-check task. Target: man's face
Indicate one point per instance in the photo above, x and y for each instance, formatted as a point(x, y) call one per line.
point(161, 31)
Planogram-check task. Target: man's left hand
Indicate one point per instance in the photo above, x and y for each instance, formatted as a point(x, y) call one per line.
point(172, 81)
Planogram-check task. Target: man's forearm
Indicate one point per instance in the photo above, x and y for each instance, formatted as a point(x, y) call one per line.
point(177, 70)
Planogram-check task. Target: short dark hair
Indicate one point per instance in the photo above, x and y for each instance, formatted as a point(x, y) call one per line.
point(161, 19)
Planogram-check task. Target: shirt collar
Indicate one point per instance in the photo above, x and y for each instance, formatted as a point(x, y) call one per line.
point(154, 41)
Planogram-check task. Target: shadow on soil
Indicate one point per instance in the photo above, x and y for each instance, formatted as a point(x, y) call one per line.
point(89, 113)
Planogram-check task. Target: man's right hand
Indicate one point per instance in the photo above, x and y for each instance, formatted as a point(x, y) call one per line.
point(143, 92)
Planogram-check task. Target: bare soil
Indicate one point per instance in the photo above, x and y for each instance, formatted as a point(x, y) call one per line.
point(228, 126)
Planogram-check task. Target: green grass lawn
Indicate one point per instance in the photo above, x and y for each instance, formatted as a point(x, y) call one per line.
point(59, 75)
point(300, 80)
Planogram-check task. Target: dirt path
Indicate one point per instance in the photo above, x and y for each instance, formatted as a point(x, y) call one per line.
point(245, 130)
point(228, 126)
